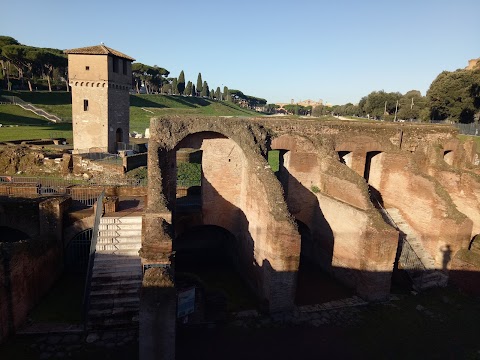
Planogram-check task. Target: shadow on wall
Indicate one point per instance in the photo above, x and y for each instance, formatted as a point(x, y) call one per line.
point(222, 231)
point(317, 235)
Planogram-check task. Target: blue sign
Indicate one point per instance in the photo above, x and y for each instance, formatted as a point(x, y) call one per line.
point(185, 302)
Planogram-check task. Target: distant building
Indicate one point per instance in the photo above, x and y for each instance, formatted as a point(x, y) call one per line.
point(311, 103)
point(472, 64)
point(100, 78)
point(305, 103)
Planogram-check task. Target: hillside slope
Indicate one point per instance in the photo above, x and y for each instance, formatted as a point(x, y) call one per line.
point(142, 107)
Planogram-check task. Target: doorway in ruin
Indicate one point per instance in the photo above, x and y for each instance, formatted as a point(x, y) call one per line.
point(345, 158)
point(372, 175)
point(448, 156)
point(118, 139)
point(210, 226)
point(206, 258)
point(10, 235)
point(314, 284)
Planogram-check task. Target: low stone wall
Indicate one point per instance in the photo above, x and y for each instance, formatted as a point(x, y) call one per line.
point(134, 161)
point(83, 165)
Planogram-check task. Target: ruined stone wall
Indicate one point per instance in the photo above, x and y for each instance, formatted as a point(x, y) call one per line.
point(424, 204)
point(20, 214)
point(464, 190)
point(276, 242)
point(29, 268)
point(134, 161)
point(348, 236)
point(26, 274)
point(83, 165)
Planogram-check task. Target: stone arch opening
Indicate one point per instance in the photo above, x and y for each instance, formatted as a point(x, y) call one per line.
point(448, 156)
point(205, 258)
point(77, 252)
point(345, 158)
point(10, 235)
point(118, 138)
point(475, 243)
point(372, 165)
point(314, 284)
point(238, 193)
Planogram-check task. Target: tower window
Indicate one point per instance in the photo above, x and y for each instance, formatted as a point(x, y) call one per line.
point(85, 105)
point(87, 68)
point(124, 67)
point(115, 65)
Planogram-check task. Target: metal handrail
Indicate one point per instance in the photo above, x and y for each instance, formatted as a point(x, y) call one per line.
point(91, 258)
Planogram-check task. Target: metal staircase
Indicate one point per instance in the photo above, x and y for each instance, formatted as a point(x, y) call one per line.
point(30, 107)
point(117, 275)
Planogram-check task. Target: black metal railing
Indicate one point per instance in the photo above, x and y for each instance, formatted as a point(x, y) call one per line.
point(59, 185)
point(407, 259)
point(91, 257)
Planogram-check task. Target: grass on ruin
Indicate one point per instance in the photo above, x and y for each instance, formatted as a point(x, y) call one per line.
point(274, 160)
point(476, 140)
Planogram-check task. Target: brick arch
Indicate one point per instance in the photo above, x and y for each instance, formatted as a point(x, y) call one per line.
point(293, 143)
point(268, 240)
point(360, 143)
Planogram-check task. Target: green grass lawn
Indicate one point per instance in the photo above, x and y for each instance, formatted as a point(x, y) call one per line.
point(20, 124)
point(142, 109)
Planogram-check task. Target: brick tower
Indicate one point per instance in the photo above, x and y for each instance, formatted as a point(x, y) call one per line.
point(100, 78)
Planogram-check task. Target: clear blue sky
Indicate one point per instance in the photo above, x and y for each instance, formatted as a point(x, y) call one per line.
point(279, 50)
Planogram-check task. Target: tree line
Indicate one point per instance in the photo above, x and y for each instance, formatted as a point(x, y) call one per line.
point(154, 79)
point(29, 64)
point(31, 67)
point(452, 96)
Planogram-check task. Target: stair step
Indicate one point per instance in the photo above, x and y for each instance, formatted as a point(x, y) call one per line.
point(118, 252)
point(125, 301)
point(121, 220)
point(116, 226)
point(120, 246)
point(120, 232)
point(117, 276)
point(115, 312)
point(113, 323)
point(119, 239)
point(113, 292)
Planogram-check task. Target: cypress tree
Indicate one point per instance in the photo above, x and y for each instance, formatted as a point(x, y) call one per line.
point(174, 86)
point(226, 95)
point(217, 93)
point(199, 83)
point(181, 83)
point(194, 91)
point(188, 89)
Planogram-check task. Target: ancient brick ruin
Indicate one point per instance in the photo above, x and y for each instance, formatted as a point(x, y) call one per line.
point(335, 178)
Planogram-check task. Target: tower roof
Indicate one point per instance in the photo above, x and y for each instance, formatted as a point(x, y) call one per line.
point(98, 50)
